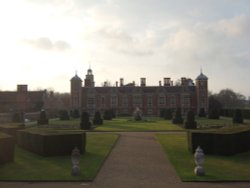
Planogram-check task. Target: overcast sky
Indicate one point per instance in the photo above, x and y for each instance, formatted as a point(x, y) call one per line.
point(43, 42)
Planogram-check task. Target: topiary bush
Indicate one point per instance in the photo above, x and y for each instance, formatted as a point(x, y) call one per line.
point(190, 122)
point(108, 114)
point(213, 108)
point(213, 113)
point(18, 117)
point(162, 112)
point(237, 118)
point(75, 113)
point(202, 113)
point(168, 114)
point(177, 117)
point(85, 123)
point(63, 115)
point(43, 120)
point(113, 113)
point(97, 119)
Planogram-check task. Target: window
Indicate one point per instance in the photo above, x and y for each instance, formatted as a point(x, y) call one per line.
point(102, 101)
point(149, 101)
point(149, 111)
point(113, 101)
point(173, 101)
point(125, 101)
point(91, 102)
point(137, 101)
point(185, 100)
point(162, 101)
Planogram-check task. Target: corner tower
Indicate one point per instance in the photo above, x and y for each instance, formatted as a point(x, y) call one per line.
point(76, 92)
point(89, 79)
point(202, 92)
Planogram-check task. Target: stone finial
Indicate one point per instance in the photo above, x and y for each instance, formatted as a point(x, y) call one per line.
point(199, 158)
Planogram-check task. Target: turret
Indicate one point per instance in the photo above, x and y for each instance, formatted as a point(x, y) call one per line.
point(202, 92)
point(89, 79)
point(75, 91)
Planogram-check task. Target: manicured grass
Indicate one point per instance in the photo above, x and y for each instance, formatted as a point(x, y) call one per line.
point(223, 121)
point(149, 124)
point(72, 123)
point(29, 166)
point(218, 168)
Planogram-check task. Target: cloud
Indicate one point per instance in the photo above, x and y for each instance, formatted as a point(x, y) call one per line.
point(210, 41)
point(120, 41)
point(45, 43)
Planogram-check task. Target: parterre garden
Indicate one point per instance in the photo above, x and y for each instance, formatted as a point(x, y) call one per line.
point(29, 165)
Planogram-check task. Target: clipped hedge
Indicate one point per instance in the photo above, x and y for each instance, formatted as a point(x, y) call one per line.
point(51, 143)
point(11, 129)
point(224, 142)
point(177, 119)
point(230, 112)
point(7, 146)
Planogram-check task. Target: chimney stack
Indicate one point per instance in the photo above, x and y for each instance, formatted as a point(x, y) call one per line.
point(167, 81)
point(143, 82)
point(121, 82)
point(116, 84)
point(183, 81)
point(159, 83)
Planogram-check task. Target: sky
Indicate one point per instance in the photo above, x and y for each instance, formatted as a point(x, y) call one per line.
point(44, 43)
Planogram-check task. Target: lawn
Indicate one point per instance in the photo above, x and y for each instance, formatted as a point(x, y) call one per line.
point(120, 124)
point(218, 168)
point(31, 167)
point(149, 124)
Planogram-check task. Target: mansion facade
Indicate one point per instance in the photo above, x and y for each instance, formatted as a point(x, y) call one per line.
point(125, 98)
point(21, 100)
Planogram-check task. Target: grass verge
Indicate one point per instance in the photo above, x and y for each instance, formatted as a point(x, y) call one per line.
point(31, 167)
point(218, 168)
point(126, 124)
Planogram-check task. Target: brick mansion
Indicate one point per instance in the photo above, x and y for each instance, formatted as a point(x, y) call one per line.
point(125, 98)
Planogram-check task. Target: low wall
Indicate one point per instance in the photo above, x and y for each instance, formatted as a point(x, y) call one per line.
point(11, 129)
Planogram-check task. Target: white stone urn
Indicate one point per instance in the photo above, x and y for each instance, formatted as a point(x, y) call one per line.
point(199, 159)
point(75, 159)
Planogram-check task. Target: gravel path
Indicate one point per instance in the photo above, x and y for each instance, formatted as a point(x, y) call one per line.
point(137, 161)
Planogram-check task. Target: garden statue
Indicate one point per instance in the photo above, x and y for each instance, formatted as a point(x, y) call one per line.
point(199, 160)
point(137, 114)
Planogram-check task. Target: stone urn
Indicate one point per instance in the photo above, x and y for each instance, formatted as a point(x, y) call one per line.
point(75, 159)
point(199, 159)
